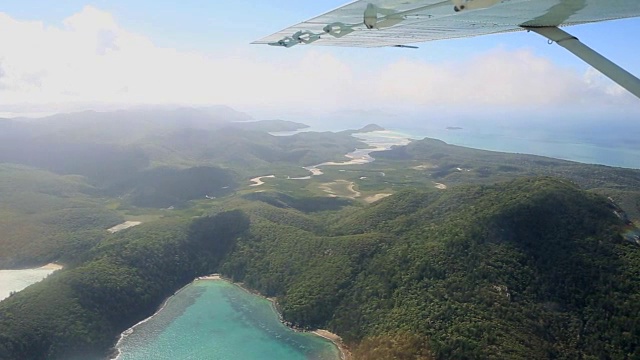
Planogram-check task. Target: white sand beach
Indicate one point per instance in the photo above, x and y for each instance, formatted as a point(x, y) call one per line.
point(123, 226)
point(17, 280)
point(257, 181)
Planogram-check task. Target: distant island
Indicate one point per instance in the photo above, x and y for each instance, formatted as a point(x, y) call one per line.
point(365, 129)
point(432, 251)
point(269, 125)
point(371, 128)
point(454, 128)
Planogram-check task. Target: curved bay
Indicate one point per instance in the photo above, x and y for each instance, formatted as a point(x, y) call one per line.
point(215, 319)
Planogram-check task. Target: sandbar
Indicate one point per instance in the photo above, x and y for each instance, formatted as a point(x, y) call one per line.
point(425, 166)
point(376, 197)
point(123, 226)
point(331, 188)
point(441, 186)
point(257, 181)
point(51, 266)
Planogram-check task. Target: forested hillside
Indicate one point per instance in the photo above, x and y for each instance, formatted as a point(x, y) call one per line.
point(78, 313)
point(462, 165)
point(114, 147)
point(165, 187)
point(46, 217)
point(432, 251)
point(533, 268)
point(247, 151)
point(453, 165)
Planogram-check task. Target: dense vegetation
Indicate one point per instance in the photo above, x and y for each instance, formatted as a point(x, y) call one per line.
point(491, 268)
point(529, 269)
point(432, 160)
point(166, 187)
point(112, 147)
point(304, 204)
point(460, 165)
point(78, 313)
point(46, 217)
point(102, 163)
point(64, 178)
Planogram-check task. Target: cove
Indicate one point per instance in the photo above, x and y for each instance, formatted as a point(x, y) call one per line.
point(215, 319)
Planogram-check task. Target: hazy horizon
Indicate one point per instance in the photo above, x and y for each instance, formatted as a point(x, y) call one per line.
point(108, 55)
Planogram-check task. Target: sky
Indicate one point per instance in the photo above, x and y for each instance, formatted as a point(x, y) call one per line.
point(81, 54)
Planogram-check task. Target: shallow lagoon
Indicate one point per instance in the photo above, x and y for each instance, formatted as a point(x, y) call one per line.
point(214, 319)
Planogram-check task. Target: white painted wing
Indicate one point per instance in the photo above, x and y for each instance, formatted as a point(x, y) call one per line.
point(399, 22)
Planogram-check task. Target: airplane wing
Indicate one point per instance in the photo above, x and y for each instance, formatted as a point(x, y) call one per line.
point(400, 22)
point(377, 23)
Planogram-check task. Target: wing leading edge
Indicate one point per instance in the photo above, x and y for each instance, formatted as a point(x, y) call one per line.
point(378, 23)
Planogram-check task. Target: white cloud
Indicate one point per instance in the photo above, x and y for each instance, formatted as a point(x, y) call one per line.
point(498, 77)
point(91, 58)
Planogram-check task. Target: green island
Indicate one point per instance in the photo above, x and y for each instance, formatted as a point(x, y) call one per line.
point(432, 251)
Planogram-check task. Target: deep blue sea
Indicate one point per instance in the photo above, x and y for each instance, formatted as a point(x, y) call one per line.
point(217, 320)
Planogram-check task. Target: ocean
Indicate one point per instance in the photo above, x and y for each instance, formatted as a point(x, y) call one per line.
point(619, 149)
point(219, 320)
point(608, 137)
point(214, 319)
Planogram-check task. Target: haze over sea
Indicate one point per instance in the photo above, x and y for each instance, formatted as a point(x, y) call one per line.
point(214, 319)
point(608, 138)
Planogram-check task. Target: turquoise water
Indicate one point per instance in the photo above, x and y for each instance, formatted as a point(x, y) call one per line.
point(214, 319)
point(619, 149)
point(609, 141)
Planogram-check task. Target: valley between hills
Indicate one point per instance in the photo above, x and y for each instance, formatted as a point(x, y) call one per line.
point(420, 250)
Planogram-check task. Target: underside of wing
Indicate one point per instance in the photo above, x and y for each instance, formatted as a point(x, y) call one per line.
point(375, 23)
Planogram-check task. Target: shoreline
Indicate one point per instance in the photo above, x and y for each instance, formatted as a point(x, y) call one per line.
point(336, 340)
point(360, 156)
point(257, 181)
point(52, 266)
point(345, 354)
point(581, 150)
point(114, 352)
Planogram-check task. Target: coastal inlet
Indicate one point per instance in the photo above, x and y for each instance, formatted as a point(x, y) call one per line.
point(216, 319)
